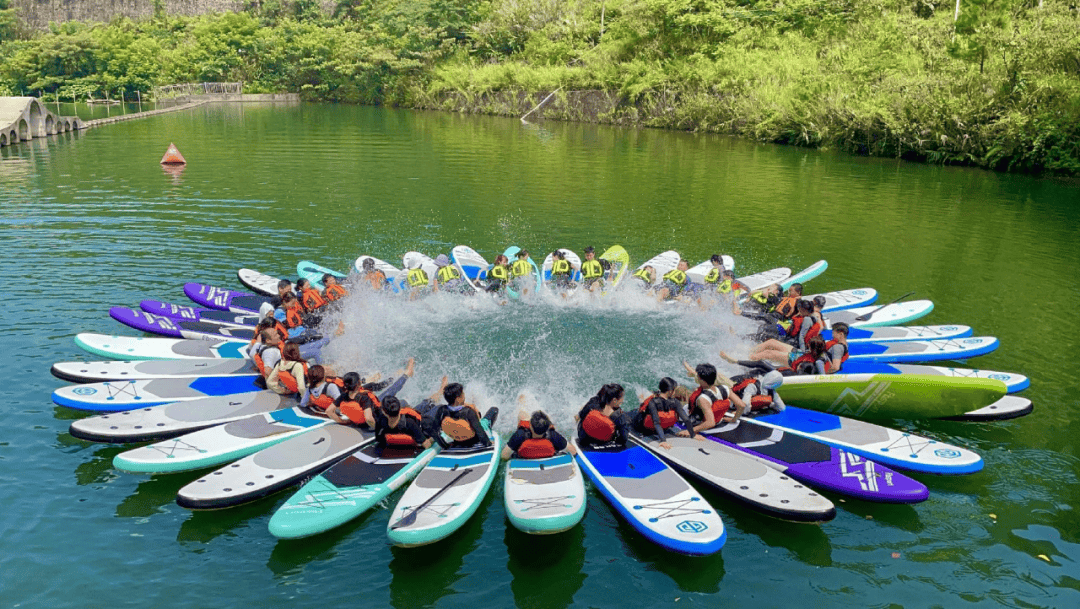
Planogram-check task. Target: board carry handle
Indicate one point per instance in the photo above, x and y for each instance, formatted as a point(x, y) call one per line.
point(409, 519)
point(866, 316)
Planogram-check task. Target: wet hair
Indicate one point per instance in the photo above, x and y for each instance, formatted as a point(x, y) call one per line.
point(707, 373)
point(284, 283)
point(266, 323)
point(728, 274)
point(327, 277)
point(820, 301)
point(609, 393)
point(840, 327)
point(288, 297)
point(605, 264)
point(540, 422)
point(391, 407)
point(291, 352)
point(797, 287)
point(589, 249)
point(368, 264)
point(522, 254)
point(667, 384)
point(816, 346)
point(805, 305)
point(302, 283)
point(680, 393)
point(452, 392)
point(558, 255)
point(315, 375)
point(716, 259)
point(268, 333)
point(350, 382)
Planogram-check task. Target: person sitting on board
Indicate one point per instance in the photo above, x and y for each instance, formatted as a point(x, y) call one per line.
point(674, 282)
point(601, 421)
point(375, 278)
point(757, 390)
point(398, 426)
point(647, 274)
point(498, 275)
point(289, 374)
point(283, 287)
point(788, 305)
point(660, 411)
point(265, 349)
point(562, 272)
point(521, 272)
point(333, 290)
point(448, 279)
point(592, 270)
point(818, 314)
point(457, 420)
point(321, 389)
point(710, 402)
point(354, 405)
point(759, 305)
point(837, 347)
point(310, 298)
point(418, 281)
point(535, 438)
point(293, 321)
point(715, 274)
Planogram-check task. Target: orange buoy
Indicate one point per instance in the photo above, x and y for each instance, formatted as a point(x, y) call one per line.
point(173, 156)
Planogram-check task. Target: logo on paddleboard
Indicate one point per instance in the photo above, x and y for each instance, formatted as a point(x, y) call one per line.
point(691, 526)
point(949, 328)
point(947, 453)
point(858, 292)
point(973, 341)
point(84, 391)
point(999, 377)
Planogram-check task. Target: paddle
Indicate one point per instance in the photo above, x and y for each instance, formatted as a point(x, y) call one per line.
point(867, 316)
point(411, 517)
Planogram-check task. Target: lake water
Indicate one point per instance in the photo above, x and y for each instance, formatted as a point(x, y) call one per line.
point(91, 220)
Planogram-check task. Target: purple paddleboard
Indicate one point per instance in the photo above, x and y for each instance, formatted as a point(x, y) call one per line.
point(167, 326)
point(224, 300)
point(820, 465)
point(185, 313)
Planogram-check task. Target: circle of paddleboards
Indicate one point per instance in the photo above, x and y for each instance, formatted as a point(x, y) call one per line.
point(169, 420)
point(818, 464)
point(890, 315)
point(846, 299)
point(890, 447)
point(125, 395)
point(186, 313)
point(1008, 407)
point(654, 499)
point(888, 334)
point(922, 350)
point(314, 273)
point(273, 468)
point(257, 282)
point(392, 272)
point(349, 488)
point(167, 326)
point(619, 262)
point(445, 494)
point(544, 496)
point(549, 261)
point(806, 274)
point(891, 396)
point(116, 370)
point(742, 477)
point(224, 300)
point(136, 347)
point(1013, 382)
point(219, 444)
point(764, 279)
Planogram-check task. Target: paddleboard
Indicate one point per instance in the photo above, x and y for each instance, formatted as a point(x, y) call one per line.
point(1013, 382)
point(511, 255)
point(116, 370)
point(889, 315)
point(662, 264)
point(186, 313)
point(922, 350)
point(698, 272)
point(412, 259)
point(167, 326)
point(1008, 407)
point(619, 261)
point(806, 274)
point(314, 272)
point(571, 257)
point(471, 265)
point(125, 395)
point(764, 279)
point(891, 396)
point(169, 420)
point(544, 496)
point(257, 282)
point(219, 444)
point(846, 299)
point(654, 499)
point(349, 488)
point(888, 334)
point(224, 300)
point(273, 468)
point(743, 478)
point(445, 494)
point(137, 347)
point(890, 447)
point(819, 465)
point(392, 272)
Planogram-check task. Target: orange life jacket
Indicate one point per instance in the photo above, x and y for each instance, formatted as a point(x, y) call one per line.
point(787, 306)
point(832, 368)
point(257, 358)
point(667, 417)
point(322, 400)
point(336, 292)
point(403, 439)
point(293, 318)
point(536, 448)
point(758, 402)
point(286, 378)
point(796, 327)
point(312, 300)
point(598, 427)
point(377, 279)
point(719, 407)
point(354, 408)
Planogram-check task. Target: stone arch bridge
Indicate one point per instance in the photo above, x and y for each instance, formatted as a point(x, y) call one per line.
point(23, 118)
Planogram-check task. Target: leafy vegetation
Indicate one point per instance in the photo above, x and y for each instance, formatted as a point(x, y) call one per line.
point(998, 87)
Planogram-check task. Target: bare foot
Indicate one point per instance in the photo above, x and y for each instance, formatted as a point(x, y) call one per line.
point(410, 367)
point(374, 378)
point(727, 358)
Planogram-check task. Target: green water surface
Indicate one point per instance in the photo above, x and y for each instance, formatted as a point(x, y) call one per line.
point(90, 220)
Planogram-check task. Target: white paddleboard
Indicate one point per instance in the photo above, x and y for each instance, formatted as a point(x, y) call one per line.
point(135, 347)
point(472, 266)
point(571, 257)
point(257, 282)
point(411, 259)
point(764, 279)
point(662, 264)
point(846, 299)
point(544, 496)
point(118, 370)
point(889, 315)
point(698, 272)
point(392, 272)
point(806, 274)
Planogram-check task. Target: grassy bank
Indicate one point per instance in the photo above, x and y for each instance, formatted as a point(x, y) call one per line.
point(999, 88)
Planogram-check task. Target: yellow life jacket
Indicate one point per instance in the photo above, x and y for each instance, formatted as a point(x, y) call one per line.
point(521, 267)
point(560, 267)
point(592, 269)
point(713, 276)
point(724, 287)
point(498, 272)
point(643, 274)
point(417, 278)
point(675, 276)
point(448, 273)
point(760, 297)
